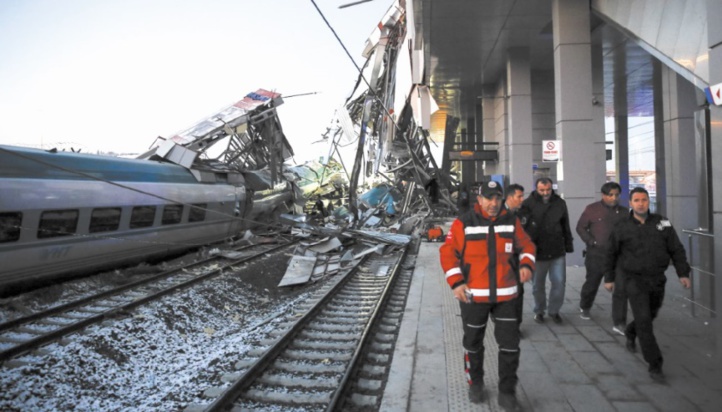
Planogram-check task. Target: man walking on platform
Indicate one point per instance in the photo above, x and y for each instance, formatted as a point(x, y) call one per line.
point(476, 260)
point(549, 229)
point(513, 198)
point(594, 227)
point(643, 244)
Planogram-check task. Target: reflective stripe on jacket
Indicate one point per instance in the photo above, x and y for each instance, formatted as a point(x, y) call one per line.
point(478, 249)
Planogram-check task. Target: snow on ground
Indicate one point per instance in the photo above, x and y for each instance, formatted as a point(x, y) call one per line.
point(160, 357)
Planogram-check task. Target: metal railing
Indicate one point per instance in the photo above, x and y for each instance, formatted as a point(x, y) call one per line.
point(703, 235)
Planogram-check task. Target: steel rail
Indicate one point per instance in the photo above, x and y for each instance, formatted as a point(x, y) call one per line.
point(46, 338)
point(255, 371)
point(83, 301)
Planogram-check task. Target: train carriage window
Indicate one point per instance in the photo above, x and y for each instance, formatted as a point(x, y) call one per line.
point(172, 214)
point(104, 219)
point(55, 223)
point(198, 212)
point(142, 216)
point(10, 226)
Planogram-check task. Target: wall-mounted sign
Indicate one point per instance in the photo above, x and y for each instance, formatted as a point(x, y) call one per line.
point(714, 94)
point(551, 150)
point(484, 155)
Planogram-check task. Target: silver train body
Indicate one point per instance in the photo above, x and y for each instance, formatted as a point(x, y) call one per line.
point(64, 214)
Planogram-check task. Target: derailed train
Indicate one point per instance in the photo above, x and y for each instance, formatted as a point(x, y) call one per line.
point(64, 213)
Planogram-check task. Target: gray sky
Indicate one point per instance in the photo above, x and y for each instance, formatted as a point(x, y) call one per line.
point(114, 75)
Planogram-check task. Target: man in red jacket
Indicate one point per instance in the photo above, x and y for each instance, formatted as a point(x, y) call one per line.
point(476, 260)
point(595, 225)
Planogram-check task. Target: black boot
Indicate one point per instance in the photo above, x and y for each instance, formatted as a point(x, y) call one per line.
point(508, 402)
point(476, 392)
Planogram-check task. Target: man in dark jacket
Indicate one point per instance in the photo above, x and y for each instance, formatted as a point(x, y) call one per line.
point(594, 227)
point(463, 202)
point(513, 198)
point(642, 245)
point(548, 227)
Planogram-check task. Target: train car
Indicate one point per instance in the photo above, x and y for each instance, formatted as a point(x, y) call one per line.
point(64, 214)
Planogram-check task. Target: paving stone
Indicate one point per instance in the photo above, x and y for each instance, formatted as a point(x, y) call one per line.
point(539, 333)
point(665, 399)
point(593, 363)
point(580, 365)
point(544, 394)
point(560, 364)
point(530, 360)
point(617, 387)
point(702, 393)
point(634, 407)
point(586, 398)
point(576, 342)
point(595, 333)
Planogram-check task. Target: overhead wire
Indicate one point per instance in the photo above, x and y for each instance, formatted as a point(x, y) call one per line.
point(340, 42)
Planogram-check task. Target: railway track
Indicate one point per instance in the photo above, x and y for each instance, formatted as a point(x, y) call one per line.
point(31, 332)
point(331, 353)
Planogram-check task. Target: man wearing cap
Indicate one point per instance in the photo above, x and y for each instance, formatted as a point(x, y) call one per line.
point(475, 258)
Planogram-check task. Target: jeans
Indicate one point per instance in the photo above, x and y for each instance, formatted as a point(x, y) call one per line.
point(557, 270)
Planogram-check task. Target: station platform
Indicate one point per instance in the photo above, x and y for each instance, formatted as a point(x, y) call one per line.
point(579, 365)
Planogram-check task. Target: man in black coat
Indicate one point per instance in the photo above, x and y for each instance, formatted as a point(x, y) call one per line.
point(548, 227)
point(643, 245)
point(513, 198)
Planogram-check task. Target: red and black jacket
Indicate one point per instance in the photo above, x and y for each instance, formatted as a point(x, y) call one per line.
point(478, 251)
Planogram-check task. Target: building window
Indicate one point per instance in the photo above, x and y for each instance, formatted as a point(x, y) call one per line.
point(172, 214)
point(10, 226)
point(142, 216)
point(104, 219)
point(198, 212)
point(56, 223)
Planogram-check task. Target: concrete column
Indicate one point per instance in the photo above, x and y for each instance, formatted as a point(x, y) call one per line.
point(679, 104)
point(621, 125)
point(468, 167)
point(479, 122)
point(462, 144)
point(659, 142)
point(494, 107)
point(599, 151)
point(714, 32)
point(575, 126)
point(449, 140)
point(621, 150)
point(543, 122)
point(488, 125)
point(519, 143)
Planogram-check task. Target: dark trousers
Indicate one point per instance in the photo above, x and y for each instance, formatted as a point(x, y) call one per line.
point(506, 331)
point(519, 301)
point(645, 297)
point(619, 300)
point(593, 264)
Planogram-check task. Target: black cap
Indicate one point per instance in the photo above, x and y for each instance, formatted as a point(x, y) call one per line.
point(490, 188)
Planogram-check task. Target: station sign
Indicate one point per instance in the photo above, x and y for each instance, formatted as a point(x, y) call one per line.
point(714, 94)
point(551, 150)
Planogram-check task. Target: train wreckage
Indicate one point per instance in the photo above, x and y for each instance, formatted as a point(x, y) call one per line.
point(379, 183)
point(380, 180)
